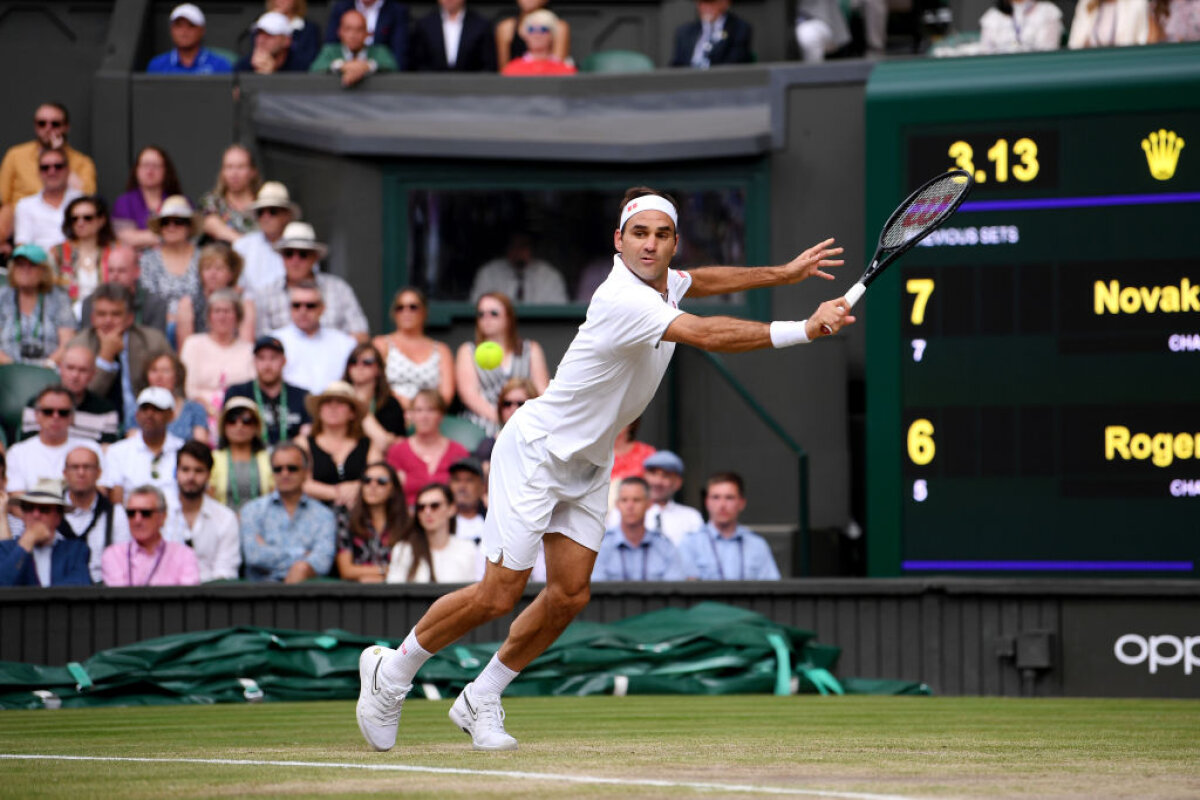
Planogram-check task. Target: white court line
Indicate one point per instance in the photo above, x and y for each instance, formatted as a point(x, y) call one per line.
point(491, 773)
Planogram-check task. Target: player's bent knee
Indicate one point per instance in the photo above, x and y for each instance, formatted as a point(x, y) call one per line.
point(568, 600)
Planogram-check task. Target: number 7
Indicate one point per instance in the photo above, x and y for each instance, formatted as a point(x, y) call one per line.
point(922, 288)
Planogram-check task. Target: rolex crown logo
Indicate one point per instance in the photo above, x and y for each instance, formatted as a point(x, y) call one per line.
point(1162, 153)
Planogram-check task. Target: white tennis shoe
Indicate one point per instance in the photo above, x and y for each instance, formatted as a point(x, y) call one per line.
point(379, 702)
point(482, 717)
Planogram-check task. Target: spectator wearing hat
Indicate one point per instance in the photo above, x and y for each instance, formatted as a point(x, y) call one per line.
point(301, 252)
point(44, 455)
point(306, 35)
point(352, 58)
point(36, 321)
point(89, 515)
point(338, 447)
point(537, 31)
point(41, 555)
point(123, 348)
point(469, 488)
point(171, 269)
point(38, 218)
point(189, 56)
point(717, 36)
point(453, 38)
point(272, 51)
point(280, 404)
point(663, 472)
point(189, 420)
point(287, 535)
point(241, 468)
point(263, 266)
point(148, 309)
point(152, 180)
point(148, 456)
point(217, 358)
point(148, 559)
point(316, 354)
point(95, 419)
point(199, 521)
point(425, 456)
point(387, 25)
point(722, 549)
point(631, 552)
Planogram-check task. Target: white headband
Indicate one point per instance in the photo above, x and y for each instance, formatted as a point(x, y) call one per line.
point(649, 202)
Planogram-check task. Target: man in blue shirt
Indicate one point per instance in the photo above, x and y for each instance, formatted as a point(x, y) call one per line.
point(189, 57)
point(723, 550)
point(631, 553)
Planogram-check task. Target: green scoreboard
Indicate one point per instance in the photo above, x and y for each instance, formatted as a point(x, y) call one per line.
point(1033, 367)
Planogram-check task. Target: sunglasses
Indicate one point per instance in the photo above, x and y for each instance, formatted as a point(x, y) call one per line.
point(512, 403)
point(272, 212)
point(429, 506)
point(49, 123)
point(369, 361)
point(293, 468)
point(53, 166)
point(309, 306)
point(50, 412)
point(537, 29)
point(293, 252)
point(83, 218)
point(180, 221)
point(406, 307)
point(154, 463)
point(382, 480)
point(245, 418)
point(144, 513)
point(34, 508)
point(491, 312)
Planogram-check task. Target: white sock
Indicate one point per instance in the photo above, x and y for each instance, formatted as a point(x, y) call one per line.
point(495, 677)
point(401, 667)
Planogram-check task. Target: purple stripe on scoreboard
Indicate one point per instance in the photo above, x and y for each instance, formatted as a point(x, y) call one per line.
point(1049, 566)
point(1080, 202)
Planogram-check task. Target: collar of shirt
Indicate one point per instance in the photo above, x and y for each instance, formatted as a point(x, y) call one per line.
point(361, 55)
point(277, 500)
point(622, 541)
point(738, 533)
point(72, 509)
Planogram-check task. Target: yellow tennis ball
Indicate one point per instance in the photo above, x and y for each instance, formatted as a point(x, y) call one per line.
point(489, 355)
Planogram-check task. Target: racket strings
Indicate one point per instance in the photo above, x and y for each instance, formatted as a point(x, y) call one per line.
point(925, 211)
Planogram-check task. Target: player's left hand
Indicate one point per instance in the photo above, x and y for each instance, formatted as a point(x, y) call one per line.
point(813, 261)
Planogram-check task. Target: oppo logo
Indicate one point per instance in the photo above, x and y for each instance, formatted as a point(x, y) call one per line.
point(1158, 651)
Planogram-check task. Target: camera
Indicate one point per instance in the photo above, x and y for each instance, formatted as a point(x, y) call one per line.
point(32, 351)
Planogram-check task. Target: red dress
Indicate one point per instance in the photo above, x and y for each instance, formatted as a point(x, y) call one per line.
point(630, 464)
point(416, 476)
point(525, 65)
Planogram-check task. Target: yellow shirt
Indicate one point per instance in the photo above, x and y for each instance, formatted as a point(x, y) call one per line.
point(19, 176)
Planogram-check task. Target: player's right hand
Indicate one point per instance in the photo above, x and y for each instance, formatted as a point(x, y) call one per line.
point(829, 318)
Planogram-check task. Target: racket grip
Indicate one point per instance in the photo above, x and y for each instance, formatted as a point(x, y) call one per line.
point(856, 291)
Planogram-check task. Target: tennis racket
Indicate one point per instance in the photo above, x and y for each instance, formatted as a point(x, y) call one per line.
point(918, 216)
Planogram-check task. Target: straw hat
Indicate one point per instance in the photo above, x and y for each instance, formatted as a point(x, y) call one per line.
point(338, 390)
point(274, 194)
point(175, 207)
point(46, 492)
point(235, 403)
point(300, 236)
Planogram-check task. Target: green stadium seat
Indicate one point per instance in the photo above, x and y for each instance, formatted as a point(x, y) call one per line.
point(616, 61)
point(224, 53)
point(463, 431)
point(21, 383)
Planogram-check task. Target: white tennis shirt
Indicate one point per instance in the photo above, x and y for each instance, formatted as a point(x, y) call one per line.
point(611, 370)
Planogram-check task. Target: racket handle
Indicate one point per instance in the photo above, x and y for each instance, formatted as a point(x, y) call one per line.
point(856, 291)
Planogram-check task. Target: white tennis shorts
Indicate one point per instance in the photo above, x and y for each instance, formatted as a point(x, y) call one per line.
point(531, 493)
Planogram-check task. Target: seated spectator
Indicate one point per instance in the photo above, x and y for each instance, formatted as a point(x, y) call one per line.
point(148, 559)
point(287, 536)
point(149, 310)
point(338, 449)
point(1109, 23)
point(44, 455)
point(152, 180)
point(1013, 26)
point(89, 516)
point(189, 56)
point(723, 550)
point(413, 360)
point(628, 551)
point(306, 36)
point(425, 456)
point(717, 37)
point(515, 393)
point(387, 24)
point(1174, 21)
point(38, 218)
point(453, 38)
point(199, 521)
point(510, 45)
point(664, 476)
point(301, 251)
point(171, 269)
point(123, 348)
point(317, 355)
point(41, 555)
point(520, 276)
point(280, 404)
point(821, 29)
point(479, 388)
point(372, 526)
point(428, 551)
point(19, 173)
point(36, 321)
point(82, 258)
point(352, 58)
point(6, 517)
point(228, 210)
point(189, 419)
point(384, 421)
point(147, 458)
point(537, 31)
point(242, 470)
point(220, 267)
point(469, 488)
point(218, 358)
point(95, 419)
point(263, 265)
point(628, 453)
point(272, 51)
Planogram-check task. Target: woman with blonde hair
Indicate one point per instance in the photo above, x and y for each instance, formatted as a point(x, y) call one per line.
point(509, 44)
point(228, 209)
point(429, 552)
point(217, 359)
point(220, 266)
point(372, 526)
point(413, 361)
point(338, 448)
point(241, 463)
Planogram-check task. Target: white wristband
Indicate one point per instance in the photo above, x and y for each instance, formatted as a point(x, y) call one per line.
point(786, 334)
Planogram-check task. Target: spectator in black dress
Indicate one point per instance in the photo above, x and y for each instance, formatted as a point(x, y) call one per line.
point(338, 448)
point(385, 418)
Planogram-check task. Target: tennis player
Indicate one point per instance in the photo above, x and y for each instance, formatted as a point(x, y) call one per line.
point(551, 462)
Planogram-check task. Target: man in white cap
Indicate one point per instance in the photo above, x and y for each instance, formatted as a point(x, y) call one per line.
point(301, 251)
point(190, 56)
point(263, 266)
point(272, 47)
point(552, 461)
point(40, 555)
point(147, 457)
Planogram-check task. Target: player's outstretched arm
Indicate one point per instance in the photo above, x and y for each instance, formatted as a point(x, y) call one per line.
point(707, 281)
point(733, 335)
